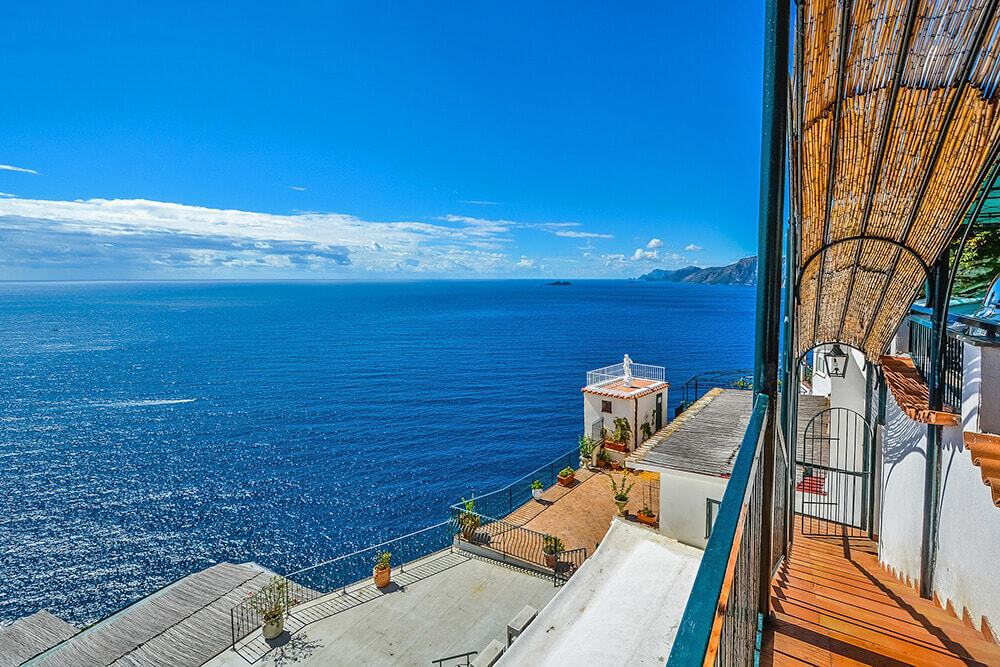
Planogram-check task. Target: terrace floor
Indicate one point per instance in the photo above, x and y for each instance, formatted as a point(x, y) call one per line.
point(581, 515)
point(445, 604)
point(834, 605)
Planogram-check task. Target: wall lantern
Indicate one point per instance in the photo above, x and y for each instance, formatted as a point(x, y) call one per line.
point(836, 362)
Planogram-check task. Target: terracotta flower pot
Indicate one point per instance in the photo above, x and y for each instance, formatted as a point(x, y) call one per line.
point(383, 576)
point(648, 520)
point(273, 627)
point(469, 528)
point(550, 560)
point(567, 480)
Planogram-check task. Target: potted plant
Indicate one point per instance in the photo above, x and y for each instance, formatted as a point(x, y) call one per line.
point(552, 546)
point(383, 569)
point(468, 519)
point(621, 490)
point(646, 516)
point(603, 459)
point(536, 489)
point(587, 447)
point(271, 602)
point(565, 477)
point(621, 436)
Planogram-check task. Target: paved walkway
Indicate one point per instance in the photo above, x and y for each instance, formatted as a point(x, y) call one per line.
point(581, 515)
point(446, 604)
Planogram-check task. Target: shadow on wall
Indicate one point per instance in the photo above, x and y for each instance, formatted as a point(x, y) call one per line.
point(902, 437)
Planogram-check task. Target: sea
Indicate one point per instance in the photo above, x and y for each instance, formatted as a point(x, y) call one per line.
point(149, 430)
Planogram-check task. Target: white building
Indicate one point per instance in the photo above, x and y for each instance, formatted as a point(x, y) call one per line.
point(636, 393)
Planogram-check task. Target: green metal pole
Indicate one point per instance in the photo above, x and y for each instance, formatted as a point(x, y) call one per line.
point(769, 228)
point(937, 300)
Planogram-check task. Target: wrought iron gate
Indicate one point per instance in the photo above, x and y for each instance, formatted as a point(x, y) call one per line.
point(833, 474)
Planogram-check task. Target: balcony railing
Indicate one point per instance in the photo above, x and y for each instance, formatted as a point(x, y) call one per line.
point(338, 573)
point(514, 544)
point(600, 376)
point(920, 352)
point(500, 503)
point(722, 615)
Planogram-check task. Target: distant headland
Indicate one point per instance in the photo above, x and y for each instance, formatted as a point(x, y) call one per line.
point(742, 272)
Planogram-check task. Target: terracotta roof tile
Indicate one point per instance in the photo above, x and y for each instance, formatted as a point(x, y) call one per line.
point(617, 388)
point(985, 451)
point(910, 392)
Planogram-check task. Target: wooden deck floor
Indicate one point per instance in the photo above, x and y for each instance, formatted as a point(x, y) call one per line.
point(833, 605)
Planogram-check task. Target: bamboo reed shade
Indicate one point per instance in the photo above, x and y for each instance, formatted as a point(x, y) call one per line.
point(894, 122)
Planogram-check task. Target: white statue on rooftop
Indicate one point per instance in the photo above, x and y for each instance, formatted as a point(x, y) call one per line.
point(627, 367)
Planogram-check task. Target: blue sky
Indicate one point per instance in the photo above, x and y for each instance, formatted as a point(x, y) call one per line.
point(377, 140)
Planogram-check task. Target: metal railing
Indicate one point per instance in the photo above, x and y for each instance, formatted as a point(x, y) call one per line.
point(460, 660)
point(515, 544)
point(920, 352)
point(338, 573)
point(500, 503)
point(722, 615)
point(700, 384)
point(600, 376)
point(245, 618)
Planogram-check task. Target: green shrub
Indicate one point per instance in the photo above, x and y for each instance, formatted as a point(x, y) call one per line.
point(552, 544)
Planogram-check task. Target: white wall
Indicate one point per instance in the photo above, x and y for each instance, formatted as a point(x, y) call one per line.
point(622, 407)
point(683, 499)
point(969, 534)
point(904, 443)
point(969, 524)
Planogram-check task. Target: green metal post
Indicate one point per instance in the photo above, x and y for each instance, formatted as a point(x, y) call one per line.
point(769, 228)
point(937, 300)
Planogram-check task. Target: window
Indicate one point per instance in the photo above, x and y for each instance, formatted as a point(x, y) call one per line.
point(606, 406)
point(711, 512)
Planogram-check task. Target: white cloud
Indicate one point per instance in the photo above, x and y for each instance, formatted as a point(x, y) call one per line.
point(613, 260)
point(693, 248)
point(581, 235)
point(297, 188)
point(525, 263)
point(479, 202)
point(654, 244)
point(23, 170)
point(6, 194)
point(644, 255)
point(163, 234)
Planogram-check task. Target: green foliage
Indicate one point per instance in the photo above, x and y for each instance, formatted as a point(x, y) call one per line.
point(980, 262)
point(603, 456)
point(587, 446)
point(537, 485)
point(552, 544)
point(622, 488)
point(647, 430)
point(271, 601)
point(382, 560)
point(623, 432)
point(645, 511)
point(566, 472)
point(468, 517)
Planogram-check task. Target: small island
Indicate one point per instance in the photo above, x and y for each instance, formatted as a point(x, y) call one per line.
point(559, 283)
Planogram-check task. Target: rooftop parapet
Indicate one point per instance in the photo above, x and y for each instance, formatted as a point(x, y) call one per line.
point(624, 373)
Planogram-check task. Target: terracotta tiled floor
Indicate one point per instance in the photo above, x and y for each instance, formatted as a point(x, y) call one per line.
point(834, 605)
point(581, 515)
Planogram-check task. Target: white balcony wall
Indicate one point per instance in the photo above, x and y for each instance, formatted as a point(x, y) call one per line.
point(969, 524)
